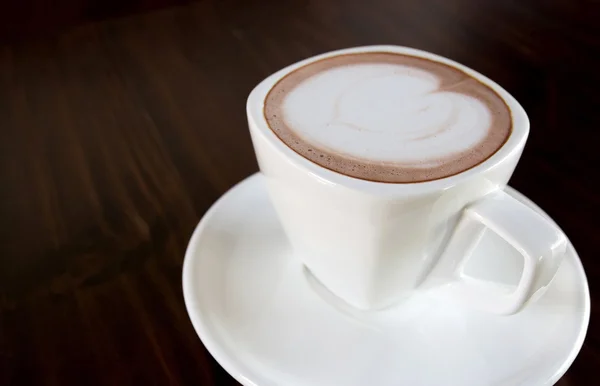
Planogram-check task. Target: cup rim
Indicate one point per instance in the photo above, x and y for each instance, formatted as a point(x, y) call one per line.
point(514, 143)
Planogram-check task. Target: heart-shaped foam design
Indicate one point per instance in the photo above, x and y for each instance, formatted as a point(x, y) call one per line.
point(385, 113)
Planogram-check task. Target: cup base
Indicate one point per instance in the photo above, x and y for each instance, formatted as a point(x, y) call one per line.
point(342, 305)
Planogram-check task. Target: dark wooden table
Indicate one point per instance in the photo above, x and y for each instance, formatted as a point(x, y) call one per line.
point(116, 135)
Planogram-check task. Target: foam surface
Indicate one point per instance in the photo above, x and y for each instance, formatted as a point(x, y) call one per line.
point(387, 117)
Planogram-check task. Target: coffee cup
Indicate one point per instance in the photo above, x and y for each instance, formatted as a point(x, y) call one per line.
point(386, 165)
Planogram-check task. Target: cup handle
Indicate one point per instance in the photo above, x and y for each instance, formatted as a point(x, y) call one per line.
point(541, 244)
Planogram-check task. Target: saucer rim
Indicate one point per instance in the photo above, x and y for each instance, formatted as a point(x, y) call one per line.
point(234, 366)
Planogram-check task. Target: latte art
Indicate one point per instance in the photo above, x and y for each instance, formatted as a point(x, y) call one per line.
point(387, 117)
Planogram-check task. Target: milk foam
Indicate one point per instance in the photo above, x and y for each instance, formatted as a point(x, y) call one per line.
point(388, 117)
point(384, 112)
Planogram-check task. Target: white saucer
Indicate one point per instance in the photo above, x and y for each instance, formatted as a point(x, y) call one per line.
point(259, 315)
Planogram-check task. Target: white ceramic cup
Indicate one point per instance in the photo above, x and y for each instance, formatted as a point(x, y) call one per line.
point(373, 243)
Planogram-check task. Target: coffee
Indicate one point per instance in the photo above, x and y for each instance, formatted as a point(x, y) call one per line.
point(388, 117)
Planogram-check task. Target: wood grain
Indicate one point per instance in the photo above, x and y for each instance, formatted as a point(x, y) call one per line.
point(116, 135)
